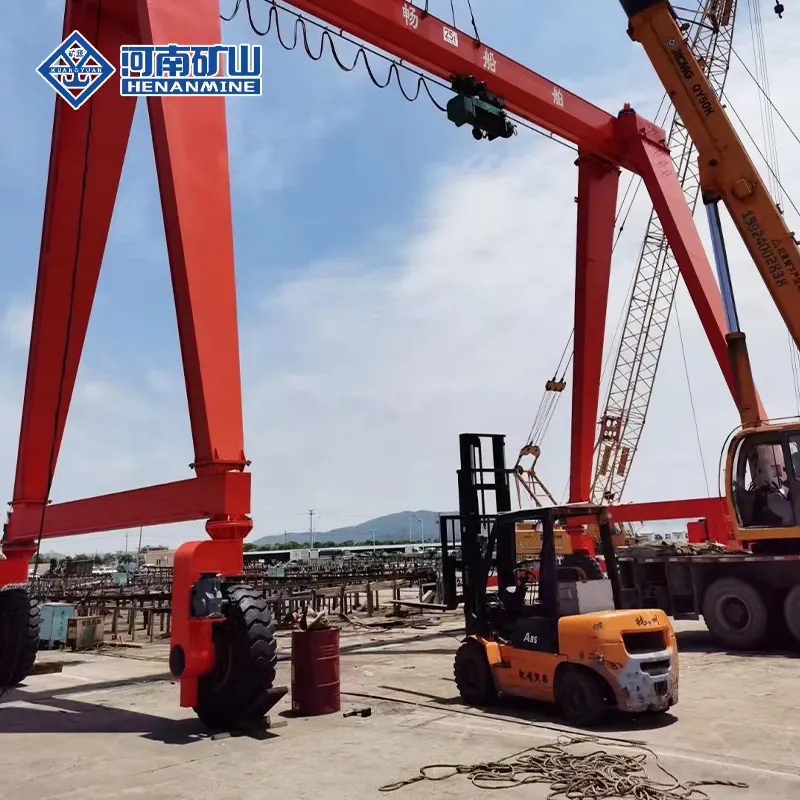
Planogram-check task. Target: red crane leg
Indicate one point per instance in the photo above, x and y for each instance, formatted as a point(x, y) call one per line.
point(657, 170)
point(87, 151)
point(191, 149)
point(189, 132)
point(197, 217)
point(597, 200)
point(598, 182)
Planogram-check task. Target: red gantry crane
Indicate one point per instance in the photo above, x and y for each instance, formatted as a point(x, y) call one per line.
point(222, 647)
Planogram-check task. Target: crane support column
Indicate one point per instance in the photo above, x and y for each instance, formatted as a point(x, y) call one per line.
point(81, 191)
point(87, 152)
point(598, 182)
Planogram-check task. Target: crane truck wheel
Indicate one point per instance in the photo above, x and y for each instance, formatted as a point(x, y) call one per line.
point(20, 621)
point(590, 566)
point(235, 693)
point(791, 612)
point(474, 675)
point(581, 695)
point(736, 613)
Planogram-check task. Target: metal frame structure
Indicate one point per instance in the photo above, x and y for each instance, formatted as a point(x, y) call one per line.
point(656, 280)
point(191, 153)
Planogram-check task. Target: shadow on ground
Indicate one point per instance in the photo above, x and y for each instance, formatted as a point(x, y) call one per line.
point(55, 712)
point(701, 641)
point(518, 709)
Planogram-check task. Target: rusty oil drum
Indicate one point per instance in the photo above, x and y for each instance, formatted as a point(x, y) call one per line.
point(315, 672)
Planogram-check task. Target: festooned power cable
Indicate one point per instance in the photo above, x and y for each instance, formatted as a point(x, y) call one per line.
point(300, 36)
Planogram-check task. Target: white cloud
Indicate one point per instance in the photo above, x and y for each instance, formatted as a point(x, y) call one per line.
point(15, 323)
point(360, 371)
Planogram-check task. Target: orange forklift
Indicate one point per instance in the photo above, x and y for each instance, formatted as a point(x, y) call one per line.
point(559, 638)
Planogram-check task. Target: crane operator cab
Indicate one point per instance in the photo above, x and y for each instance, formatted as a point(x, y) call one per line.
point(547, 634)
point(763, 473)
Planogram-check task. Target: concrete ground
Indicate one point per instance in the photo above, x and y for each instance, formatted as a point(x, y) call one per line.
point(109, 726)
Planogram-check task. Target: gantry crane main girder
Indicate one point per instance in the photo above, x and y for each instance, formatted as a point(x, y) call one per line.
point(191, 153)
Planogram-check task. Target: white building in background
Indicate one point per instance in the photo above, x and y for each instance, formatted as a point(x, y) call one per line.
point(157, 557)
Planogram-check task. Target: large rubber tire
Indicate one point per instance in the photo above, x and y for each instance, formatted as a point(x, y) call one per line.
point(736, 613)
point(791, 612)
point(590, 566)
point(20, 623)
point(235, 694)
point(581, 695)
point(474, 675)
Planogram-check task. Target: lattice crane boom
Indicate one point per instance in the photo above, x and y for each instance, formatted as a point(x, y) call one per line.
point(656, 280)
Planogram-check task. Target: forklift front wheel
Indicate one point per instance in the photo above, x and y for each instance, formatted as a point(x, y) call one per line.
point(474, 675)
point(581, 696)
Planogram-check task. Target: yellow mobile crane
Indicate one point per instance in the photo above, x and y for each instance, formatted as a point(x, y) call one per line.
point(762, 472)
point(760, 490)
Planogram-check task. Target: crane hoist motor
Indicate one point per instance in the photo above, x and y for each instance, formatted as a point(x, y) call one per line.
point(475, 106)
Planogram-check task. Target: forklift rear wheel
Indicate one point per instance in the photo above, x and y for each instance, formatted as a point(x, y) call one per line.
point(20, 622)
point(736, 613)
point(235, 694)
point(581, 696)
point(474, 675)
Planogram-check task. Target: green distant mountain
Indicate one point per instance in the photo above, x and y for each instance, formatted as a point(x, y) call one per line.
point(392, 527)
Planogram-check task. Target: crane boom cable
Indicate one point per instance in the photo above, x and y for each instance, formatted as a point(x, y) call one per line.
point(691, 401)
point(768, 111)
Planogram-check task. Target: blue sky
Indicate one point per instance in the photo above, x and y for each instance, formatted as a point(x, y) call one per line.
point(382, 258)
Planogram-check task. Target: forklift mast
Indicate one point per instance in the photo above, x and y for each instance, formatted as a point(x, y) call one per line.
point(486, 529)
point(484, 491)
point(482, 536)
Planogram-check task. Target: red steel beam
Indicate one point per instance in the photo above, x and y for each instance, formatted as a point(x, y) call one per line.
point(695, 508)
point(209, 495)
point(432, 45)
point(598, 182)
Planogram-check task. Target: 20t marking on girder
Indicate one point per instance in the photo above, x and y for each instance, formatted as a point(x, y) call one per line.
point(76, 69)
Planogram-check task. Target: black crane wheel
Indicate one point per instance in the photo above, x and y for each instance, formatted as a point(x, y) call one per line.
point(20, 622)
point(235, 694)
point(474, 675)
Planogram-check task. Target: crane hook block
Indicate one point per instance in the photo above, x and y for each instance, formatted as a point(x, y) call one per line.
point(779, 9)
point(474, 106)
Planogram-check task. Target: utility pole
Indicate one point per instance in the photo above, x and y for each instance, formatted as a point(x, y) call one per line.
point(139, 550)
point(126, 542)
point(373, 538)
point(311, 528)
point(421, 529)
point(285, 534)
point(410, 532)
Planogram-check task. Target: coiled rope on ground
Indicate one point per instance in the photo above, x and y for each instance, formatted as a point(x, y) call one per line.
point(599, 775)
